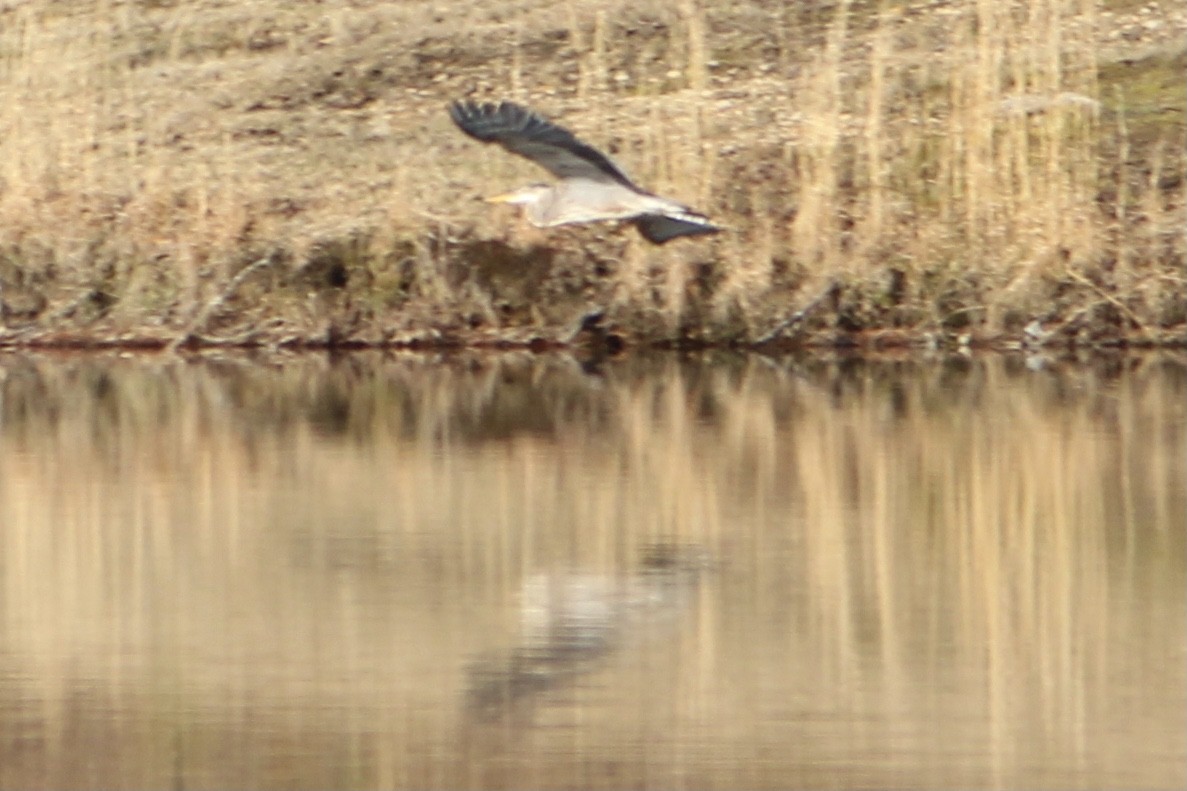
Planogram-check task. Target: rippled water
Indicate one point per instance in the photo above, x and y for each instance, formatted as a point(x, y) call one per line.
point(484, 571)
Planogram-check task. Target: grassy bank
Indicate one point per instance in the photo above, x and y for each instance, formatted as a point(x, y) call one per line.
point(891, 173)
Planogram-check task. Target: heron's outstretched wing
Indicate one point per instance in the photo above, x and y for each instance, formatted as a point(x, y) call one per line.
point(525, 133)
point(659, 228)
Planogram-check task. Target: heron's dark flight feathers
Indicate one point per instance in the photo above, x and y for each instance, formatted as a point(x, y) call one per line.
point(523, 132)
point(659, 228)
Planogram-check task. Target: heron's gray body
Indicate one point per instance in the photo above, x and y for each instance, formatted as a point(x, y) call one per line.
point(590, 187)
point(579, 200)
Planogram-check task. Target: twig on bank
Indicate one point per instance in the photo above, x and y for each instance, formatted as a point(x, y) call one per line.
point(799, 315)
point(199, 323)
point(1109, 298)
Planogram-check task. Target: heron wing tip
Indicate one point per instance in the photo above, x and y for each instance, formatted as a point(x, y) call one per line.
point(487, 121)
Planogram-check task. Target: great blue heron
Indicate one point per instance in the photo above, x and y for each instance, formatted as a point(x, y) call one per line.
point(589, 187)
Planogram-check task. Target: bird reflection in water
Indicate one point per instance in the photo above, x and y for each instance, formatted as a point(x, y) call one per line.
point(570, 623)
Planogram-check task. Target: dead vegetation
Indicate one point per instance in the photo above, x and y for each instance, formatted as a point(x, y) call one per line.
point(942, 172)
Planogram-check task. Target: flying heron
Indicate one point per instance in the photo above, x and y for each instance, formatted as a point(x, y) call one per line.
point(589, 187)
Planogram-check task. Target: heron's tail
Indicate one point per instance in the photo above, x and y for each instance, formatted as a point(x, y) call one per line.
point(660, 228)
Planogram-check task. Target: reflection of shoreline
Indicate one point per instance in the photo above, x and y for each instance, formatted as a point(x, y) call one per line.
point(962, 565)
point(571, 622)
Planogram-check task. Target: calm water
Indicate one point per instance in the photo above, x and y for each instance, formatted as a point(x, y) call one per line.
point(485, 571)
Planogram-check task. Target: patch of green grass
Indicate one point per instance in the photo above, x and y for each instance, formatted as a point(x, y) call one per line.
point(1150, 91)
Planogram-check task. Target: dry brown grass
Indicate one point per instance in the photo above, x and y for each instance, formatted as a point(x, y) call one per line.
point(264, 172)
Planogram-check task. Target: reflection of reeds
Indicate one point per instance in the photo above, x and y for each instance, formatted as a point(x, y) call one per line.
point(950, 572)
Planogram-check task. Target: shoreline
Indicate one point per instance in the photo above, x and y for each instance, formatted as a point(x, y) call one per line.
point(606, 344)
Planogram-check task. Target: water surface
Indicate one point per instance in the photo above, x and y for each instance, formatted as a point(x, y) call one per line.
point(486, 571)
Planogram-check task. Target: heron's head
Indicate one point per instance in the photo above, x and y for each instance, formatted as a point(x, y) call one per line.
point(530, 194)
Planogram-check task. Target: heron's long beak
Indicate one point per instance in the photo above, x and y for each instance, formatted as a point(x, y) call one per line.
point(506, 197)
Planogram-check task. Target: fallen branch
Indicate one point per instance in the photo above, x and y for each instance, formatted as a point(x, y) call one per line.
point(799, 315)
point(196, 326)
